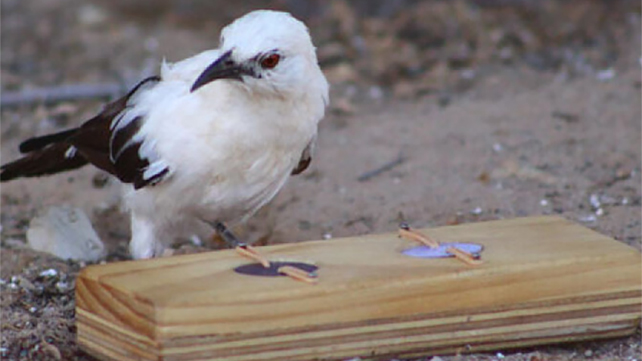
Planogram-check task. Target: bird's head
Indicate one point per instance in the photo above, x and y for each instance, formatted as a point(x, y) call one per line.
point(268, 52)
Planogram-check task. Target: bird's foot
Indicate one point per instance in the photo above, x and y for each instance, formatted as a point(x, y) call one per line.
point(242, 248)
point(227, 235)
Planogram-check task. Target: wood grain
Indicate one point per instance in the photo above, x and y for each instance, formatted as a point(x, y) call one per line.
point(543, 280)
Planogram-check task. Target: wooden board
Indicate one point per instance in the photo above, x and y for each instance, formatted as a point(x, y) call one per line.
point(544, 280)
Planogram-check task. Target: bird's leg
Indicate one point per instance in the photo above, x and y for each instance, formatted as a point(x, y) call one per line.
point(241, 247)
point(228, 236)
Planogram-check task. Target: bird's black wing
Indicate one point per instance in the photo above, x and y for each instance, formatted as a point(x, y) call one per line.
point(111, 142)
point(114, 149)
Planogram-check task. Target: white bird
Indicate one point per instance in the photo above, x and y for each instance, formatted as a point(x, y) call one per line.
point(212, 139)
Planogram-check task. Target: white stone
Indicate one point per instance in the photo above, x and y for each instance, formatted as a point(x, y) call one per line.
point(67, 233)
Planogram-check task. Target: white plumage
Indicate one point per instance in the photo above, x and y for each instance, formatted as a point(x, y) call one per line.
point(230, 145)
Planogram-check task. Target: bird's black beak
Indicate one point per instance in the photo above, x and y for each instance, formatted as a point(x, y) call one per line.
point(223, 68)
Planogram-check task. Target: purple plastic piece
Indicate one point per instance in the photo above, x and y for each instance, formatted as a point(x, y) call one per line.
point(440, 252)
point(257, 269)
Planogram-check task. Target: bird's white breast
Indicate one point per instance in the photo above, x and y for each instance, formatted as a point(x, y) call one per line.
point(229, 151)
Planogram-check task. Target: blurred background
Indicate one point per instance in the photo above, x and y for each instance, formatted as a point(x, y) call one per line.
point(442, 112)
point(409, 48)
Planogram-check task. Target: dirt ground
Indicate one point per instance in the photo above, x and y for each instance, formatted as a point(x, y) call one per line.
point(482, 110)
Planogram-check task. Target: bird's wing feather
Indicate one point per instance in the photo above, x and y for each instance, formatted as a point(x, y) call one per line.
point(111, 141)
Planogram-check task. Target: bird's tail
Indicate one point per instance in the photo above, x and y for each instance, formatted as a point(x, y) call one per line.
point(45, 155)
point(37, 143)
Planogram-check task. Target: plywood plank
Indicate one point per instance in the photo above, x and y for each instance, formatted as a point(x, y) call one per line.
point(544, 279)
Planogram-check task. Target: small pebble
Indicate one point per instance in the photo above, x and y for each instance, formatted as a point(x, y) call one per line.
point(327, 235)
point(606, 74)
point(594, 199)
point(62, 286)
point(599, 212)
point(500, 355)
point(588, 353)
point(196, 240)
point(498, 147)
point(587, 219)
point(49, 273)
point(477, 211)
point(543, 203)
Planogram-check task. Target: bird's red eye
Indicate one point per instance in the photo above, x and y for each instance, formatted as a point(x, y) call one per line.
point(270, 61)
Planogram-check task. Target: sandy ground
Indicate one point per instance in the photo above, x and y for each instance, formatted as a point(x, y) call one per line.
point(503, 140)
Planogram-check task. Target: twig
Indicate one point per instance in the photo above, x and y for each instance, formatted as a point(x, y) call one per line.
point(298, 274)
point(250, 252)
point(61, 93)
point(406, 232)
point(464, 256)
point(384, 168)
